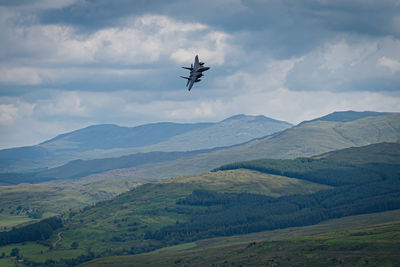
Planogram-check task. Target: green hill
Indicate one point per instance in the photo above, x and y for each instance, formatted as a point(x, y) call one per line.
point(371, 246)
point(357, 165)
point(120, 224)
point(232, 202)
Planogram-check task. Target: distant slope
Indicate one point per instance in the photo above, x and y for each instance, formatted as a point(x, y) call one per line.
point(342, 167)
point(344, 116)
point(107, 140)
point(377, 153)
point(108, 136)
point(300, 141)
point(231, 131)
point(81, 168)
point(304, 140)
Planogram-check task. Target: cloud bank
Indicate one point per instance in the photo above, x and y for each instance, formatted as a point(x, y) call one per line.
point(68, 64)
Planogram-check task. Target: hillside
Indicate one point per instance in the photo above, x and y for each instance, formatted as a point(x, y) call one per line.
point(300, 141)
point(121, 223)
point(374, 246)
point(107, 140)
point(344, 116)
point(231, 202)
point(342, 167)
point(24, 203)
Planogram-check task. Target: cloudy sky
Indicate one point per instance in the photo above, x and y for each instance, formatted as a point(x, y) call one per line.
point(67, 64)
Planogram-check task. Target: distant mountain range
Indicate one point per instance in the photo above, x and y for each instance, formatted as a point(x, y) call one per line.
point(306, 139)
point(107, 140)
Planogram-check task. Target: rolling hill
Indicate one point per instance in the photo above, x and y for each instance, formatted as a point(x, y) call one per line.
point(107, 140)
point(230, 202)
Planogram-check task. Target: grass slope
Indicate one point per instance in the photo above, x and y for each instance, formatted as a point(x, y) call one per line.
point(49, 199)
point(40, 253)
point(373, 245)
point(119, 224)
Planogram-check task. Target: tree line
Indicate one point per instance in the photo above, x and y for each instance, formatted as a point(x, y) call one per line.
point(41, 230)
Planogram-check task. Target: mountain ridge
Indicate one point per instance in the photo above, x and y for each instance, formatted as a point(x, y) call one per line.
point(309, 139)
point(110, 140)
point(349, 115)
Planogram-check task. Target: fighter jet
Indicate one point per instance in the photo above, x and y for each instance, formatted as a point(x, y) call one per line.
point(196, 72)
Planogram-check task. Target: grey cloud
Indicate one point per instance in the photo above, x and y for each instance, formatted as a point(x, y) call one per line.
point(349, 64)
point(284, 28)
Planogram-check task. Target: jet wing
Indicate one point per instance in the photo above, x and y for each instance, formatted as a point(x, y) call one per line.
point(191, 82)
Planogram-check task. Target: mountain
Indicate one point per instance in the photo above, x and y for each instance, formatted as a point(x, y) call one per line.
point(306, 139)
point(109, 136)
point(344, 116)
point(107, 140)
point(231, 131)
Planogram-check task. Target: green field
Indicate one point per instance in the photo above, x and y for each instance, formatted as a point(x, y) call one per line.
point(367, 246)
point(54, 198)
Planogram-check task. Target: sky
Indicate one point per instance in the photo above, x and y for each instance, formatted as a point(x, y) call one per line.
point(68, 64)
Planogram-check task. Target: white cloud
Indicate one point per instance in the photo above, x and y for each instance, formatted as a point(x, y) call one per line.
point(64, 103)
point(296, 106)
point(20, 76)
point(391, 64)
point(341, 55)
point(14, 110)
point(347, 65)
point(54, 52)
point(262, 76)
